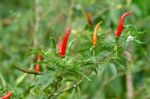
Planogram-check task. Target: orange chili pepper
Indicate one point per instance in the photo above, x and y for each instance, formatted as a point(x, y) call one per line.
point(95, 34)
point(121, 23)
point(37, 67)
point(7, 96)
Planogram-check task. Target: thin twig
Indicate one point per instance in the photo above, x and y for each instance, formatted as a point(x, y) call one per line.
point(27, 71)
point(55, 94)
point(72, 87)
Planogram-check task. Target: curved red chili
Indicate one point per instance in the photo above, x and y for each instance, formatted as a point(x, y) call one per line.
point(121, 23)
point(37, 67)
point(7, 96)
point(62, 46)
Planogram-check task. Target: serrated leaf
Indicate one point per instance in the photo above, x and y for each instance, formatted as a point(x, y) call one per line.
point(71, 43)
point(139, 42)
point(44, 81)
point(20, 79)
point(85, 76)
point(113, 69)
point(79, 91)
point(53, 42)
point(99, 70)
point(2, 80)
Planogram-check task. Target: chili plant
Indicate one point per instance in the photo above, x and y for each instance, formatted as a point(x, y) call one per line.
point(76, 60)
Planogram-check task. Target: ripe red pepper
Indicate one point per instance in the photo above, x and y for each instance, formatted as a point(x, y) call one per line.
point(7, 96)
point(37, 67)
point(62, 46)
point(121, 23)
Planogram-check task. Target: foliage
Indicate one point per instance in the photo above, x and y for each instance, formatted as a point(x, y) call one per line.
point(30, 27)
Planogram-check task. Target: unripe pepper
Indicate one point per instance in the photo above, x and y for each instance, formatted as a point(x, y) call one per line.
point(7, 96)
point(37, 67)
point(62, 46)
point(121, 23)
point(95, 34)
point(88, 18)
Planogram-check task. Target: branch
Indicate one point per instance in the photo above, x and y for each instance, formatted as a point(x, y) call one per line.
point(27, 71)
point(129, 78)
point(55, 93)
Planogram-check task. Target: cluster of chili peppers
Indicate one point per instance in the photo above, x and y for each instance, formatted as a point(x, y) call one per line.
point(62, 45)
point(7, 96)
point(119, 29)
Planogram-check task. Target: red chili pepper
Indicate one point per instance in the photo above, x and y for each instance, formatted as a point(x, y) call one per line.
point(7, 96)
point(62, 46)
point(37, 67)
point(121, 23)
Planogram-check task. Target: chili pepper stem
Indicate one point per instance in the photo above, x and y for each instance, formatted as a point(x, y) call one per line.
point(116, 46)
point(94, 51)
point(116, 49)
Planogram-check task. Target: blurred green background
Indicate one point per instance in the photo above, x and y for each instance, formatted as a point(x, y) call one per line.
point(26, 24)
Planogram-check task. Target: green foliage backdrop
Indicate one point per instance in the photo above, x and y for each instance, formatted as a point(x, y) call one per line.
point(26, 26)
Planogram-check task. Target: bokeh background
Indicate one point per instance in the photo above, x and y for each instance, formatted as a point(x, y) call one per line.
point(26, 24)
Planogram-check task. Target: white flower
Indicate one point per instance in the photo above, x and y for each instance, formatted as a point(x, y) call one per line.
point(130, 38)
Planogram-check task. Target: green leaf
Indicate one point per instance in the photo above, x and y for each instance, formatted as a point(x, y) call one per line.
point(2, 80)
point(52, 43)
point(44, 81)
point(138, 41)
point(100, 70)
point(113, 69)
point(85, 76)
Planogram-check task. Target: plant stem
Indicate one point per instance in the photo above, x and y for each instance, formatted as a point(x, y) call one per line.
point(27, 71)
point(116, 47)
point(129, 79)
point(94, 51)
point(55, 93)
